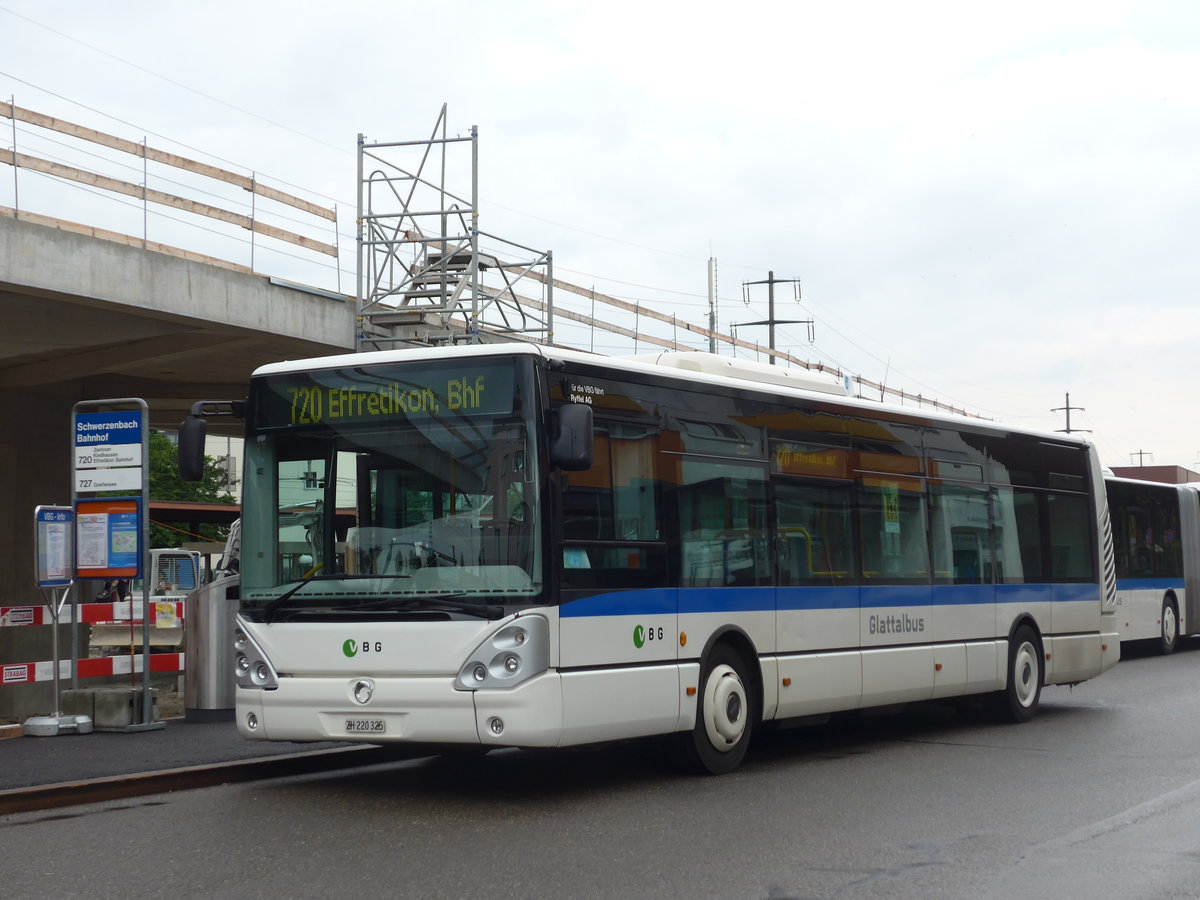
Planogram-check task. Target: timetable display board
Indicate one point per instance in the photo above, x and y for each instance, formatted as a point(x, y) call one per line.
point(108, 537)
point(55, 544)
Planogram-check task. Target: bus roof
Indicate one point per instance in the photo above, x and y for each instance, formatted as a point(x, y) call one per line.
point(1145, 482)
point(684, 366)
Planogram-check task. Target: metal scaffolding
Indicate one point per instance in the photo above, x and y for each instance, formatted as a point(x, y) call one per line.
point(422, 277)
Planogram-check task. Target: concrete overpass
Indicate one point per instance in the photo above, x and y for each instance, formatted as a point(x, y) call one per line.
point(86, 319)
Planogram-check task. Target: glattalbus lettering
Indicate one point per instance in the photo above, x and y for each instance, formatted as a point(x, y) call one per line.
point(901, 624)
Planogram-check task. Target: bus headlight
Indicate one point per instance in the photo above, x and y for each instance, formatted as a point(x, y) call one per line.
point(515, 653)
point(251, 666)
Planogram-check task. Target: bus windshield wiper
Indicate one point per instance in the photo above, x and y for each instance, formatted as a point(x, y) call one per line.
point(440, 603)
point(273, 606)
point(268, 611)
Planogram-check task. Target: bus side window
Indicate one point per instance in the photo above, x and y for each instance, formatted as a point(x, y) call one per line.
point(587, 497)
point(611, 530)
point(1018, 536)
point(892, 516)
point(813, 533)
point(1072, 552)
point(722, 523)
point(960, 533)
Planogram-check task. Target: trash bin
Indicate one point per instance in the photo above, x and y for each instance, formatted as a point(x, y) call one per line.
point(210, 613)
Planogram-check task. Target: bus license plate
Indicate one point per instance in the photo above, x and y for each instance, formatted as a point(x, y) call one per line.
point(365, 726)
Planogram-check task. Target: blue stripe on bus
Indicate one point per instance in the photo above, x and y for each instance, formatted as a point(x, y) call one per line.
point(655, 601)
point(876, 596)
point(668, 601)
point(1042, 593)
point(817, 598)
point(746, 599)
point(1149, 584)
point(963, 594)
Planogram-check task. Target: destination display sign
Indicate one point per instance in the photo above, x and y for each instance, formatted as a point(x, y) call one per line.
point(108, 451)
point(89, 456)
point(804, 459)
point(383, 394)
point(108, 428)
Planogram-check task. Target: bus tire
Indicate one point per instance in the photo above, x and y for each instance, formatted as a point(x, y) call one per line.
point(726, 713)
point(1168, 633)
point(1018, 702)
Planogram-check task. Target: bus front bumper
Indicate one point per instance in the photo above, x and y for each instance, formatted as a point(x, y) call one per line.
point(403, 710)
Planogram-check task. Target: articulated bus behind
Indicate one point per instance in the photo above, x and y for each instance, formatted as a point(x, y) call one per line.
point(1156, 548)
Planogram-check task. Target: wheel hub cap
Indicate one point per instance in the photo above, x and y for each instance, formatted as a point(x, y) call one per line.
point(724, 703)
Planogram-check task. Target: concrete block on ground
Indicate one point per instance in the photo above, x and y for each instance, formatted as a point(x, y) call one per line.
point(122, 707)
point(79, 702)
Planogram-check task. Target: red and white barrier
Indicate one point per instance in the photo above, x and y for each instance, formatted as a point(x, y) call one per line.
point(129, 612)
point(167, 613)
point(95, 667)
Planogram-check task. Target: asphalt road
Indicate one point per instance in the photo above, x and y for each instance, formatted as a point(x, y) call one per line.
point(1098, 797)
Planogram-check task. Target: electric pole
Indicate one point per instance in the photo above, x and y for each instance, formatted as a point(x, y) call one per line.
point(1067, 409)
point(771, 321)
point(712, 305)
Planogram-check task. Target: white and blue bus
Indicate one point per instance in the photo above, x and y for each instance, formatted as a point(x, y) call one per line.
point(1156, 548)
point(514, 545)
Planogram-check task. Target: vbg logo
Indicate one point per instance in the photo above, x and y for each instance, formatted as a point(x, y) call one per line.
point(641, 634)
point(351, 648)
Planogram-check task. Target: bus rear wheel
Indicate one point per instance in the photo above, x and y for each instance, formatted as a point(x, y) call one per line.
point(1168, 635)
point(726, 711)
point(1018, 702)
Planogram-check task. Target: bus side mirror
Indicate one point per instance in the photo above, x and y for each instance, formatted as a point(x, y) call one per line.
point(573, 445)
point(192, 432)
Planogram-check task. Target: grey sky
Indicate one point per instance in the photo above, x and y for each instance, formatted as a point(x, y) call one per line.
point(988, 204)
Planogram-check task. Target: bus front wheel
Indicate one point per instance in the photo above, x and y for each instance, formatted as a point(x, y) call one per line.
point(726, 709)
point(1019, 700)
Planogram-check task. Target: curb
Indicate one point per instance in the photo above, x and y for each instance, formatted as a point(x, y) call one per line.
point(97, 790)
point(11, 731)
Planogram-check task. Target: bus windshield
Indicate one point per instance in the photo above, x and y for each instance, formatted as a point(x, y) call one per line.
point(377, 488)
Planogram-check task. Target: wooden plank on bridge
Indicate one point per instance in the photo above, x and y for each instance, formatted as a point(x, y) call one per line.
point(246, 182)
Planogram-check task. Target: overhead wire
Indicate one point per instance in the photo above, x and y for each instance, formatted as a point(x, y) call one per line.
point(170, 81)
point(695, 296)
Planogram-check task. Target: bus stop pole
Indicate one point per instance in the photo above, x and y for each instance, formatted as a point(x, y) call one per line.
point(147, 693)
point(55, 600)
